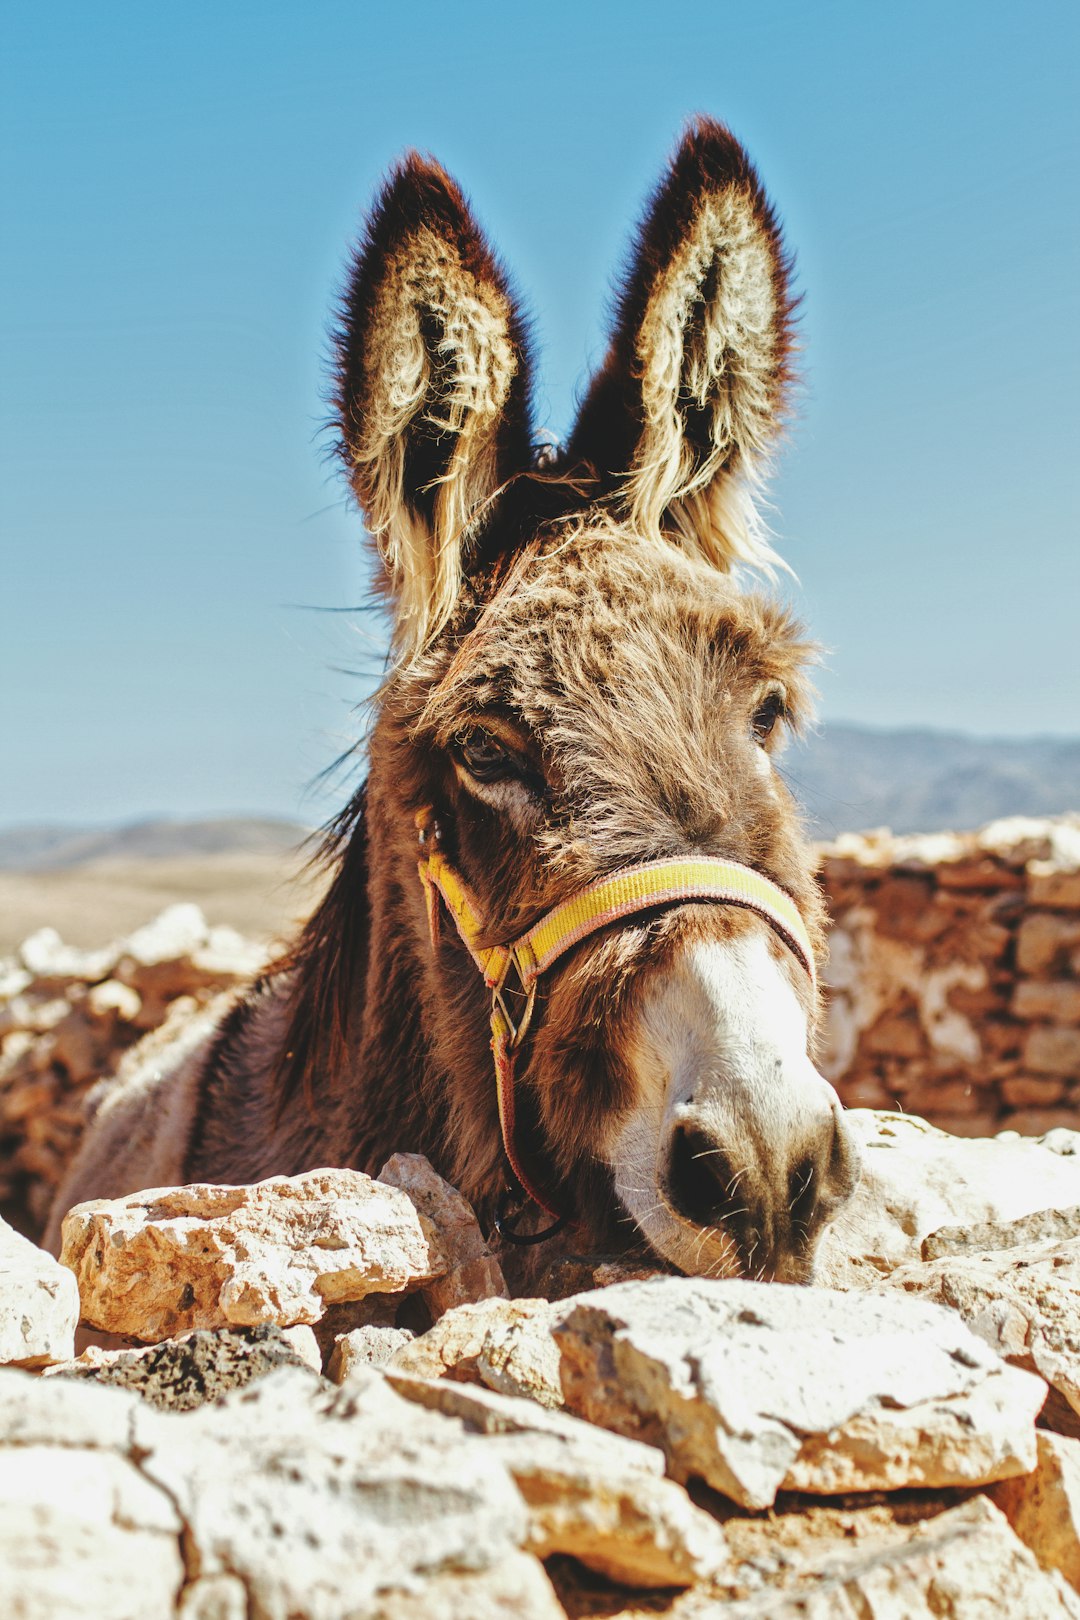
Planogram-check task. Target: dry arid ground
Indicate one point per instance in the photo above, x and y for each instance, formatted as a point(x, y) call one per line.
point(262, 895)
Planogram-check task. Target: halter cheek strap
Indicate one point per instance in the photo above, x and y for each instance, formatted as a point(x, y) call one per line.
point(655, 885)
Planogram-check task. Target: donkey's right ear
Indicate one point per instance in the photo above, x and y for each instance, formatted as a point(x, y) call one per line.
point(431, 391)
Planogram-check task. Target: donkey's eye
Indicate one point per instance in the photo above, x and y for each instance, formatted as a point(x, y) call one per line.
point(771, 709)
point(485, 758)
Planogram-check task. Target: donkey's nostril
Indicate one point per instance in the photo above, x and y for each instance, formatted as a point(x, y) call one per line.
point(703, 1185)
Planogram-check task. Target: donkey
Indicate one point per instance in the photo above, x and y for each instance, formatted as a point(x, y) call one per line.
point(572, 848)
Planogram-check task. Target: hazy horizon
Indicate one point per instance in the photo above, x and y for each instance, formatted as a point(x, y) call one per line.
point(182, 189)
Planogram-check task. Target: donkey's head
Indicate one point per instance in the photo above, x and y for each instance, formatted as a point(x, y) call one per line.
point(582, 686)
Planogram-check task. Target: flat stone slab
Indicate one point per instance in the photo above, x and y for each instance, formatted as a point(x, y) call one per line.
point(755, 1387)
point(163, 1262)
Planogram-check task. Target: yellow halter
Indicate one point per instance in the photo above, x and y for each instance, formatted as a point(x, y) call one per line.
point(653, 885)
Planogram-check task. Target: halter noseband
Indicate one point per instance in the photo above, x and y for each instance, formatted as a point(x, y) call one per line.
point(651, 886)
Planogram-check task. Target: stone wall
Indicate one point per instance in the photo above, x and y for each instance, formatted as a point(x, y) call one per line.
point(954, 993)
point(954, 975)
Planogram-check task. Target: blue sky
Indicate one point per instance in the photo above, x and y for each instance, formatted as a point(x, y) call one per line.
point(179, 188)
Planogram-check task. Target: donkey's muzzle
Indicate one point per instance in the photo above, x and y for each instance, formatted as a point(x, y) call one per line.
point(770, 1206)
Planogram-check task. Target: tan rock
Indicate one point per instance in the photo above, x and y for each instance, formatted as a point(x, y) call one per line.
point(1043, 1226)
point(917, 1179)
point(1054, 1051)
point(352, 1502)
point(164, 1261)
point(1043, 942)
point(1044, 1507)
point(39, 1304)
point(368, 1346)
point(1056, 1000)
point(966, 1564)
point(591, 1494)
point(505, 1344)
point(474, 1273)
point(1023, 1301)
point(755, 1387)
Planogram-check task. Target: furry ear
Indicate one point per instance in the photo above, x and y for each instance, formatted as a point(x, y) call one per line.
point(691, 397)
point(431, 391)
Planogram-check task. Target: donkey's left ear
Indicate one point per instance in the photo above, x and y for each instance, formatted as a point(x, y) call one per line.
point(431, 391)
point(679, 422)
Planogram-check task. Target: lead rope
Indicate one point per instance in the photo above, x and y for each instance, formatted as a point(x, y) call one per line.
point(655, 884)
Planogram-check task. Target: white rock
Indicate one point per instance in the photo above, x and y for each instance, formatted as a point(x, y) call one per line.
point(592, 1495)
point(916, 1179)
point(77, 1517)
point(350, 1502)
point(164, 1261)
point(372, 1345)
point(755, 1387)
point(45, 957)
point(1023, 1301)
point(177, 931)
point(39, 1304)
point(503, 1343)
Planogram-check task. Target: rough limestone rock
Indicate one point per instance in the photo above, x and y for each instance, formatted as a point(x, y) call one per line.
point(591, 1494)
point(505, 1344)
point(351, 1502)
point(1044, 1507)
point(372, 1345)
point(39, 1304)
point(1023, 1300)
point(162, 1262)
point(83, 1532)
point(967, 1564)
point(1041, 1227)
point(753, 1387)
point(180, 1374)
point(474, 1272)
point(285, 1500)
point(917, 1179)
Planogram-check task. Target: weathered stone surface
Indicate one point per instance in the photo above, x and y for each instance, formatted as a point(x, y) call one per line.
point(505, 1344)
point(180, 1374)
point(754, 1387)
point(1043, 1226)
point(1023, 1301)
point(351, 1502)
point(1044, 1507)
point(288, 1500)
point(39, 1304)
point(916, 1179)
point(369, 1346)
point(592, 1494)
point(77, 1517)
point(473, 1272)
point(966, 1564)
point(162, 1262)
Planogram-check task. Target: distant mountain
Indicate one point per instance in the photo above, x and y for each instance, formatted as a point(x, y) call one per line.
point(852, 777)
point(846, 777)
point(39, 848)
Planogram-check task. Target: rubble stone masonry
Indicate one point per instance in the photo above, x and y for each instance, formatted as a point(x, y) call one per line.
point(953, 982)
point(954, 975)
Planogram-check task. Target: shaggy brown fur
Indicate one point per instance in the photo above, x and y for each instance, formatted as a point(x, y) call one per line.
point(580, 684)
